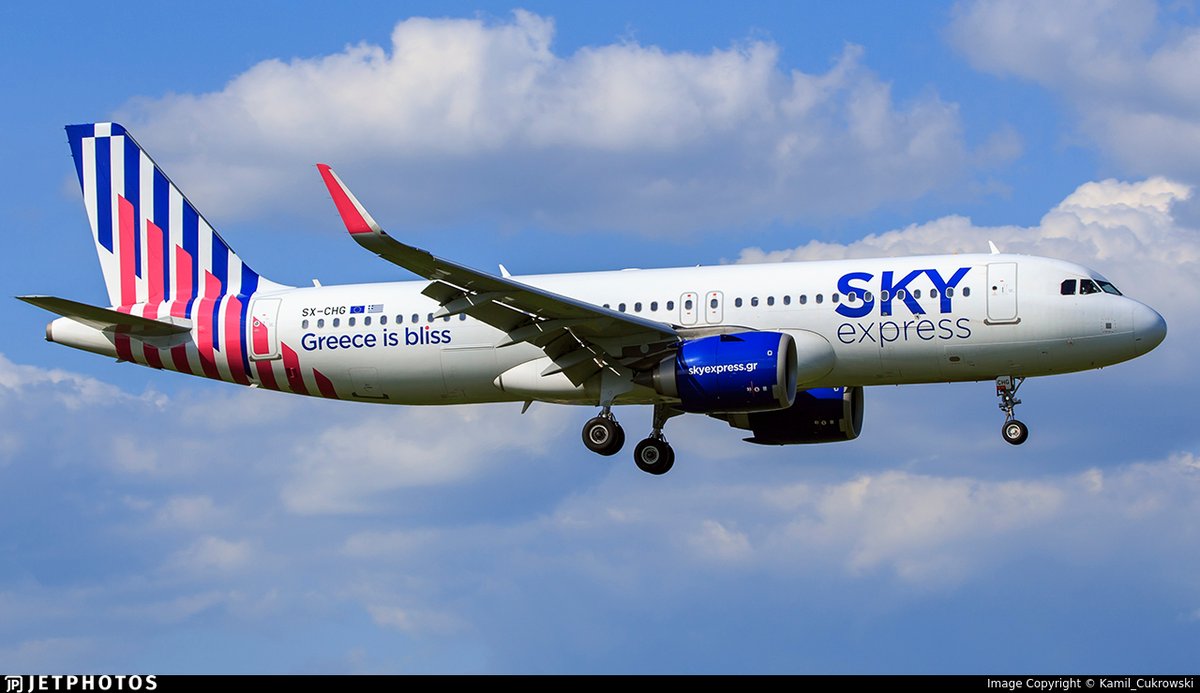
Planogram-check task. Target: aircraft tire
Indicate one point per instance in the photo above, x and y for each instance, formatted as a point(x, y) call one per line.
point(603, 436)
point(654, 456)
point(1014, 432)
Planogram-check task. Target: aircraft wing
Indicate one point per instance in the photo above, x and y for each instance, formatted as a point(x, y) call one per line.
point(581, 338)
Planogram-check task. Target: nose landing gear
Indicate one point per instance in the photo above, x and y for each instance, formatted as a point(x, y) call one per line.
point(1014, 431)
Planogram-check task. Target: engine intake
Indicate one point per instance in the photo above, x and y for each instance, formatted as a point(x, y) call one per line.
point(820, 415)
point(740, 372)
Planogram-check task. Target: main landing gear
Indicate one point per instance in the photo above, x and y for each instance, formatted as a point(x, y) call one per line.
point(653, 455)
point(1014, 431)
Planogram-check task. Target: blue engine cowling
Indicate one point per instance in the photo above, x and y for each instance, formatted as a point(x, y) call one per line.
point(819, 415)
point(741, 372)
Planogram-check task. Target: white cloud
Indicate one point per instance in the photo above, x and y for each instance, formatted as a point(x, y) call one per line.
point(1127, 67)
point(459, 115)
point(211, 554)
point(347, 468)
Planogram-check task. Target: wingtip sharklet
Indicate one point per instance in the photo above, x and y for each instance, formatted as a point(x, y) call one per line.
point(354, 215)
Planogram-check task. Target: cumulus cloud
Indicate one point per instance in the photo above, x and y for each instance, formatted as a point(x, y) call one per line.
point(1127, 68)
point(456, 116)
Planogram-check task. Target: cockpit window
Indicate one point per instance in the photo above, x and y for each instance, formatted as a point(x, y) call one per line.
point(1087, 286)
point(1068, 287)
point(1109, 288)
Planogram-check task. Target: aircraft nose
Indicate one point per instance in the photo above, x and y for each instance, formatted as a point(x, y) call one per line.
point(1149, 328)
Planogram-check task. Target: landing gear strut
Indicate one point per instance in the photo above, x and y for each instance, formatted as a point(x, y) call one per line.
point(603, 435)
point(654, 455)
point(1014, 431)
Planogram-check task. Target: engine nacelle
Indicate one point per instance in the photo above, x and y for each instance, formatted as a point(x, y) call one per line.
point(740, 372)
point(820, 415)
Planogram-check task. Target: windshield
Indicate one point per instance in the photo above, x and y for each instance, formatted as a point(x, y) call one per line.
point(1108, 287)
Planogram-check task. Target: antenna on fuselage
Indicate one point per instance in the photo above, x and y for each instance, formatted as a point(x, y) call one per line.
point(995, 250)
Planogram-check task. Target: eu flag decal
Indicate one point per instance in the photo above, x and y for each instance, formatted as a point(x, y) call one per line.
point(357, 309)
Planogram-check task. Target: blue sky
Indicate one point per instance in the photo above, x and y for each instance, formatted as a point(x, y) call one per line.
point(159, 523)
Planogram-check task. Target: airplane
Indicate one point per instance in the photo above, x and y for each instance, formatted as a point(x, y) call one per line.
point(781, 350)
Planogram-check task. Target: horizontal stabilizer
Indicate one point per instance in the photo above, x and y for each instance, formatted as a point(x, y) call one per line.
point(108, 319)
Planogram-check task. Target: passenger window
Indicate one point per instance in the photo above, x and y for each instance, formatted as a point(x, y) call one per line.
point(916, 293)
point(737, 302)
point(835, 298)
point(966, 291)
point(949, 292)
point(429, 317)
point(350, 322)
point(770, 300)
point(803, 299)
point(637, 307)
point(670, 305)
point(621, 307)
point(416, 318)
point(884, 295)
point(654, 306)
point(933, 293)
point(320, 323)
point(713, 304)
point(445, 318)
point(787, 300)
point(820, 298)
point(606, 305)
point(462, 317)
point(852, 297)
point(754, 301)
point(1087, 286)
point(304, 324)
point(900, 294)
point(336, 321)
point(868, 297)
point(687, 305)
point(367, 321)
point(382, 319)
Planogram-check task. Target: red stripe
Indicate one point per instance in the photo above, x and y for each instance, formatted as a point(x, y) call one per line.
point(125, 252)
point(291, 368)
point(154, 263)
point(180, 359)
point(350, 216)
point(153, 357)
point(121, 341)
point(203, 315)
point(324, 385)
point(183, 282)
point(233, 340)
point(266, 375)
point(259, 334)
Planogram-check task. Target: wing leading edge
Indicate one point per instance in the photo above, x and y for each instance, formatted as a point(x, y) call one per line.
point(580, 338)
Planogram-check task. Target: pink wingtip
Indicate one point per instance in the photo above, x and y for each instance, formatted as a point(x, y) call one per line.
point(351, 216)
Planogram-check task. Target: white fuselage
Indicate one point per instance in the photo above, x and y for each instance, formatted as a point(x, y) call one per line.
point(1003, 315)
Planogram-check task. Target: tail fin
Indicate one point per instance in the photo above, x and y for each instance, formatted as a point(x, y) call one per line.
point(154, 246)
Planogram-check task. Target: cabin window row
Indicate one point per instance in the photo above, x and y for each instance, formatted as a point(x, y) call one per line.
point(366, 320)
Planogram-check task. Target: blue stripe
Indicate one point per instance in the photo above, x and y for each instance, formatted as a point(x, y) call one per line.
point(242, 331)
point(104, 192)
point(162, 219)
point(216, 323)
point(75, 135)
point(249, 281)
point(220, 262)
point(191, 243)
point(133, 193)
